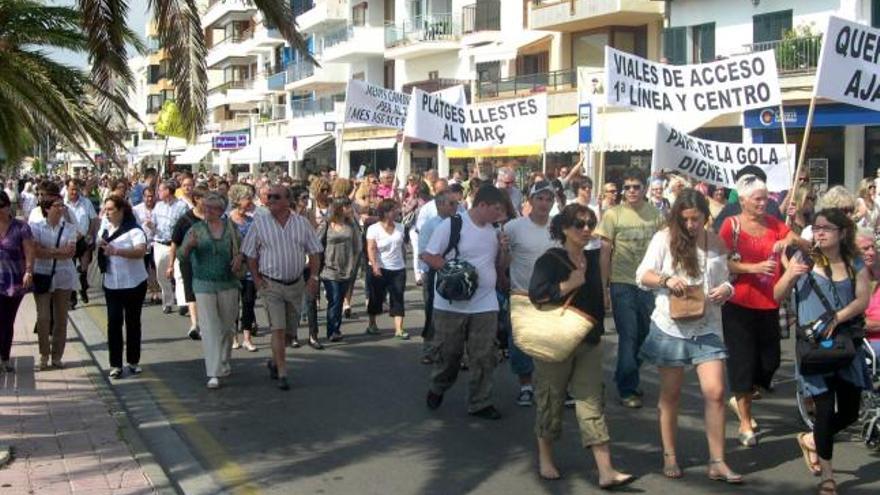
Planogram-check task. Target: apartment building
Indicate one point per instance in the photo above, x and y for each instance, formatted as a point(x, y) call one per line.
point(844, 144)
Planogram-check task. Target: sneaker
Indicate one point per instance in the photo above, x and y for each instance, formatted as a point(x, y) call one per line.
point(283, 384)
point(194, 333)
point(631, 401)
point(273, 370)
point(372, 330)
point(167, 310)
point(294, 344)
point(336, 337)
point(569, 400)
point(488, 412)
point(214, 383)
point(402, 335)
point(433, 400)
point(249, 347)
point(135, 369)
point(116, 373)
point(526, 397)
point(236, 345)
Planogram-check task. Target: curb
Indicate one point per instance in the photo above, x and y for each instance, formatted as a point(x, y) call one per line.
point(162, 484)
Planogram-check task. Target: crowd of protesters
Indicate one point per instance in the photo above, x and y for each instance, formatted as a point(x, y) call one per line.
point(211, 248)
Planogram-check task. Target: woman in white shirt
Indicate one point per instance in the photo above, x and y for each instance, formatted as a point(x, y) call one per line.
point(55, 242)
point(686, 258)
point(122, 245)
point(385, 246)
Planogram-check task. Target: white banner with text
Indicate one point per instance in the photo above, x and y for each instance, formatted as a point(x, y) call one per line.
point(848, 71)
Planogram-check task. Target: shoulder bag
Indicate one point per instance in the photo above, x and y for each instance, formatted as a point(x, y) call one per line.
point(692, 304)
point(457, 280)
point(42, 282)
point(821, 356)
point(548, 331)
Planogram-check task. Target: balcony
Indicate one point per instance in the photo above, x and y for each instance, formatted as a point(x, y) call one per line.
point(221, 12)
point(236, 123)
point(349, 44)
point(239, 92)
point(795, 56)
point(269, 112)
point(323, 15)
point(266, 37)
point(305, 76)
point(578, 15)
point(422, 35)
point(561, 80)
point(312, 107)
point(276, 81)
point(232, 50)
point(481, 16)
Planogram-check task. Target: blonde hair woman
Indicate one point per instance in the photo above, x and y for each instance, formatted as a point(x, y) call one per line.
point(867, 212)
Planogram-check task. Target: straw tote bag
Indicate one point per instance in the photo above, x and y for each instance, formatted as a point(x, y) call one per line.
point(548, 332)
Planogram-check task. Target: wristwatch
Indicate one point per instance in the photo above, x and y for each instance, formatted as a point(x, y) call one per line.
point(663, 279)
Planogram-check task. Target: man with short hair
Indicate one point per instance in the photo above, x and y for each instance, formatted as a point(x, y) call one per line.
point(276, 246)
point(165, 214)
point(506, 181)
point(626, 230)
point(609, 196)
point(87, 221)
point(472, 322)
point(447, 205)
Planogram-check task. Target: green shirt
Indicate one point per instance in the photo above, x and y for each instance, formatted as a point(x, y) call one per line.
point(629, 231)
point(211, 259)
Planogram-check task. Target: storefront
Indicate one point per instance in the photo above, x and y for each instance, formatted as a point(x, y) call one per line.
point(844, 144)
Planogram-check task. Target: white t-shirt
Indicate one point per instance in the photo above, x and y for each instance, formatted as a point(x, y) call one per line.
point(528, 241)
point(124, 273)
point(390, 246)
point(83, 212)
point(46, 236)
point(479, 247)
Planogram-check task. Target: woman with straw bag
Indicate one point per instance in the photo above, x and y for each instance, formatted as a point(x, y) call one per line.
point(570, 276)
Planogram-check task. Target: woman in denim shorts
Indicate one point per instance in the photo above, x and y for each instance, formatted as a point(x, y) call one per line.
point(680, 256)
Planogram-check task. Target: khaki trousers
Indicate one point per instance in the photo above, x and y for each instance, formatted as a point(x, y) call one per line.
point(52, 310)
point(581, 376)
point(217, 312)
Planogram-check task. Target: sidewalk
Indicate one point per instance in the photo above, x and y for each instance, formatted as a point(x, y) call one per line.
point(63, 435)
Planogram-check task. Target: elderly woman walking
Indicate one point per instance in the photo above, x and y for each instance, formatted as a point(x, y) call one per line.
point(212, 247)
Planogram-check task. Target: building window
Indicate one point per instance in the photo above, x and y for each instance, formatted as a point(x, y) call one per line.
point(154, 103)
point(359, 14)
point(588, 48)
point(489, 71)
point(388, 75)
point(537, 63)
point(433, 74)
point(703, 47)
point(675, 45)
point(771, 27)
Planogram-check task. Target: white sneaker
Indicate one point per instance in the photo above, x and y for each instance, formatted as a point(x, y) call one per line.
point(236, 345)
point(116, 373)
point(250, 347)
point(135, 369)
point(214, 383)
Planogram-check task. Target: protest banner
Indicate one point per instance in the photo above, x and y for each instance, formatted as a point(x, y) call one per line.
point(735, 84)
point(374, 105)
point(520, 121)
point(848, 69)
point(714, 162)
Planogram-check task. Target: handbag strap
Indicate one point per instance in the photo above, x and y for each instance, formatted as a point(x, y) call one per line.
point(822, 298)
point(568, 263)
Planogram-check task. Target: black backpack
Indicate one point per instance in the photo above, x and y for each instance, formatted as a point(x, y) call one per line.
point(457, 279)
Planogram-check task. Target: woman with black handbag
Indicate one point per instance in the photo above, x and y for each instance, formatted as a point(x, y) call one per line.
point(832, 291)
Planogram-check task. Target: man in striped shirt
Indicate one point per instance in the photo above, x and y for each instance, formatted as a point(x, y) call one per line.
point(276, 247)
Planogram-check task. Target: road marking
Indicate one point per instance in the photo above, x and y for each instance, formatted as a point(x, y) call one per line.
point(220, 463)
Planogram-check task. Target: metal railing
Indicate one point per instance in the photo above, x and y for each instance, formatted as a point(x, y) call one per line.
point(273, 112)
point(277, 81)
point(304, 108)
point(337, 36)
point(481, 16)
point(794, 55)
point(300, 70)
point(435, 27)
point(236, 123)
point(550, 81)
point(235, 38)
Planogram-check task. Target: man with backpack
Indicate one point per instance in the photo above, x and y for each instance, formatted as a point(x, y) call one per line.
point(466, 252)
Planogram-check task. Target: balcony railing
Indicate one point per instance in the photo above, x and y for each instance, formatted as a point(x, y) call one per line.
point(481, 16)
point(236, 123)
point(300, 70)
point(277, 81)
point(550, 81)
point(437, 27)
point(235, 38)
point(793, 56)
point(337, 36)
point(273, 112)
point(305, 108)
point(226, 86)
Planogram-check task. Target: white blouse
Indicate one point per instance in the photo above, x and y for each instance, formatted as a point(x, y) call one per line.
point(659, 259)
point(45, 235)
point(124, 273)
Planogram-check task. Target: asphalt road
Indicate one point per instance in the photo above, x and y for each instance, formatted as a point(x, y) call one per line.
point(355, 422)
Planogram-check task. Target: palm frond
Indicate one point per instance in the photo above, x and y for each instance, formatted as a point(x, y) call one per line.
point(31, 23)
point(180, 33)
point(104, 22)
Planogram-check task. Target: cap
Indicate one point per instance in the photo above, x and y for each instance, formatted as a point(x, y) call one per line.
point(541, 186)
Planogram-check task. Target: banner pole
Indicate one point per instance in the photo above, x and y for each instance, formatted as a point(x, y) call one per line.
point(803, 151)
point(792, 191)
point(544, 157)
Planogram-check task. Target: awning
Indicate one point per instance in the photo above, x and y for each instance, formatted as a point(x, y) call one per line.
point(277, 149)
point(369, 144)
point(564, 141)
point(555, 125)
point(507, 48)
point(304, 144)
point(623, 130)
point(193, 154)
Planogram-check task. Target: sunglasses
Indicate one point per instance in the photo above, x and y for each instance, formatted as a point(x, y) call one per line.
point(273, 197)
point(580, 224)
point(632, 187)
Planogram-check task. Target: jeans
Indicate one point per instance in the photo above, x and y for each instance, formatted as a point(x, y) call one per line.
point(521, 364)
point(335, 291)
point(124, 306)
point(632, 318)
point(428, 296)
point(8, 308)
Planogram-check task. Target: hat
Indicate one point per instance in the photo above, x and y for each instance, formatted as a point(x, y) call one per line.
point(541, 186)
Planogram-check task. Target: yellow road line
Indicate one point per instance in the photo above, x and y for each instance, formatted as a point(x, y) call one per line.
point(229, 473)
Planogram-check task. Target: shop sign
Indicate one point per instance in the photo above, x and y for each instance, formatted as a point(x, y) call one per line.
point(848, 67)
point(833, 115)
point(735, 84)
point(229, 141)
point(716, 162)
point(519, 121)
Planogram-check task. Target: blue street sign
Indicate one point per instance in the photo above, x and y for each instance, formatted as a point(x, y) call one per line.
point(585, 123)
point(230, 141)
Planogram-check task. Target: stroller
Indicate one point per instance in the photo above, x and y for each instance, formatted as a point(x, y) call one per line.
point(869, 414)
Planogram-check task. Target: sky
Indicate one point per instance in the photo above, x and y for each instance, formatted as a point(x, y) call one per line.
point(137, 18)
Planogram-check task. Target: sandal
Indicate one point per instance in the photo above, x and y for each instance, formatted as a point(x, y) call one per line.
point(671, 471)
point(728, 477)
point(812, 466)
point(828, 487)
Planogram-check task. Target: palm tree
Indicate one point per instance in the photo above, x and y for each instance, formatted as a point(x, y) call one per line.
point(180, 33)
point(38, 94)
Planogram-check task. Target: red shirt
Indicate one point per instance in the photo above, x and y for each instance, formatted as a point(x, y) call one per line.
point(755, 290)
